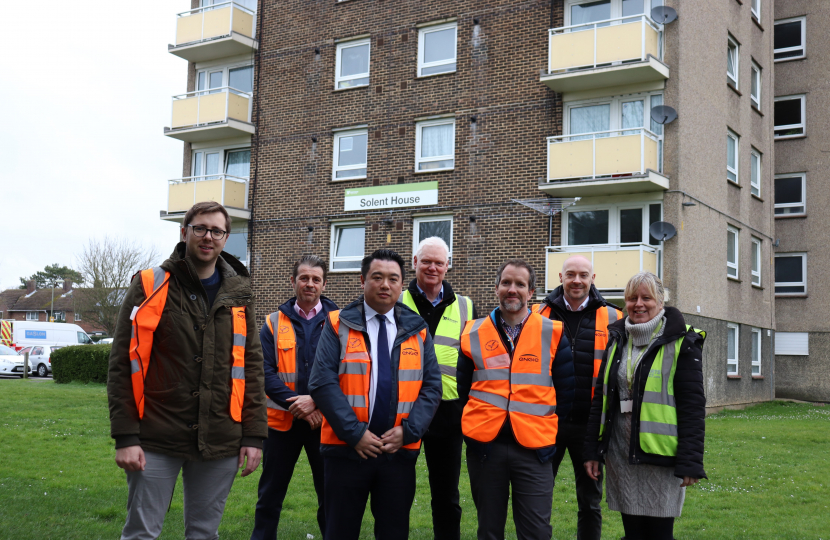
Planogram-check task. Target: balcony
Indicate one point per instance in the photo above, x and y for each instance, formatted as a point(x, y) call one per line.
point(215, 31)
point(604, 163)
point(230, 191)
point(614, 52)
point(208, 115)
point(614, 264)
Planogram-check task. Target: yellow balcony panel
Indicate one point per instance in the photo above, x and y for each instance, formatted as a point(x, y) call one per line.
point(202, 116)
point(603, 54)
point(229, 191)
point(594, 187)
point(216, 31)
point(614, 264)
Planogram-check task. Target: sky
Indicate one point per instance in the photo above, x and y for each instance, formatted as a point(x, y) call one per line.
point(85, 94)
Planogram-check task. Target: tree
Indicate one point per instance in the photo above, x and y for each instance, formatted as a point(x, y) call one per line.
point(53, 273)
point(107, 267)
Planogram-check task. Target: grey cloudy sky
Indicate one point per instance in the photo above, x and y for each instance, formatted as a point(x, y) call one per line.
point(85, 92)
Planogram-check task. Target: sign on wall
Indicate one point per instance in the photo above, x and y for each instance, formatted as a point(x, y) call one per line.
point(397, 196)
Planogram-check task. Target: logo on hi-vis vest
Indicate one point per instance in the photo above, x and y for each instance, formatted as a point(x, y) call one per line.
point(491, 345)
point(283, 329)
point(599, 333)
point(528, 358)
point(445, 318)
point(654, 373)
point(409, 351)
point(240, 314)
point(354, 342)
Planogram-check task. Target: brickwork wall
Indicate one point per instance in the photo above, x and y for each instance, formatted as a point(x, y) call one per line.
point(502, 46)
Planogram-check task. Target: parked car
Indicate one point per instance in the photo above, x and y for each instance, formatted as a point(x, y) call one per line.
point(105, 341)
point(40, 359)
point(11, 362)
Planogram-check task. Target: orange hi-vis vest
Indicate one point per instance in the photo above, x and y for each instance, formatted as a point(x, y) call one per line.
point(285, 344)
point(519, 385)
point(605, 316)
point(145, 319)
point(355, 373)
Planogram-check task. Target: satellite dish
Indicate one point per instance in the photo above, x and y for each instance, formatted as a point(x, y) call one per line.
point(663, 114)
point(663, 14)
point(662, 230)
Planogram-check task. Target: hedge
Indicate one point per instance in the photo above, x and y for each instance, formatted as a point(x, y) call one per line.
point(81, 363)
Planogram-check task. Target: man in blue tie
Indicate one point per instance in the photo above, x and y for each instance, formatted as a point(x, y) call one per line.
point(377, 382)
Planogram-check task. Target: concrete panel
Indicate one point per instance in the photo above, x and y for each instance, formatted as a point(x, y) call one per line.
point(570, 159)
point(208, 190)
point(217, 22)
point(618, 155)
point(619, 42)
point(180, 197)
point(185, 112)
point(805, 377)
point(235, 194)
point(574, 49)
point(188, 29)
point(238, 107)
point(212, 107)
point(243, 23)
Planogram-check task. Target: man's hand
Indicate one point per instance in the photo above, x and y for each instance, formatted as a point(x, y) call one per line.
point(369, 445)
point(254, 455)
point(301, 407)
point(592, 469)
point(315, 419)
point(130, 458)
point(392, 440)
point(689, 481)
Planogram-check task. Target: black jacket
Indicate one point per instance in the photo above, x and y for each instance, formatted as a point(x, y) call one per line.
point(581, 336)
point(688, 394)
point(447, 419)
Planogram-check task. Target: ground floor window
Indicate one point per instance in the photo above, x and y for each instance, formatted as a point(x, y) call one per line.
point(428, 226)
point(756, 351)
point(59, 316)
point(732, 332)
point(792, 343)
point(32, 315)
point(348, 245)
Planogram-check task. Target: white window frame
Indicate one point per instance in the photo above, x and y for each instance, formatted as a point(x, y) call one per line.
point(802, 283)
point(613, 218)
point(732, 363)
point(346, 45)
point(734, 77)
point(223, 160)
point(419, 127)
point(755, 168)
point(757, 79)
point(755, 8)
point(803, 46)
point(422, 219)
point(756, 261)
point(755, 335)
point(59, 316)
point(76, 316)
point(454, 60)
point(335, 167)
point(734, 170)
point(226, 75)
point(333, 245)
point(616, 8)
point(32, 315)
point(802, 125)
point(803, 203)
point(735, 267)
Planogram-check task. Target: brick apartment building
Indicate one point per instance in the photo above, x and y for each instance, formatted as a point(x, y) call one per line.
point(509, 128)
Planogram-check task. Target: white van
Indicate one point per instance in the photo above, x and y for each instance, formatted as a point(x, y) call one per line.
point(39, 339)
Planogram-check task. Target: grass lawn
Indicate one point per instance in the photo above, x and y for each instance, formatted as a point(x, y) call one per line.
point(58, 477)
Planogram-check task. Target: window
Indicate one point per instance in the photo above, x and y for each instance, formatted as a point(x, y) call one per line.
point(428, 226)
point(755, 83)
point(59, 316)
point(83, 338)
point(732, 251)
point(790, 273)
point(792, 343)
point(755, 172)
point(32, 315)
point(237, 243)
point(350, 154)
point(790, 196)
point(208, 164)
point(756, 261)
point(789, 116)
point(732, 332)
point(755, 7)
point(755, 333)
point(241, 78)
point(352, 64)
point(37, 351)
point(611, 224)
point(588, 11)
point(77, 315)
point(238, 163)
point(732, 156)
point(790, 39)
point(437, 49)
point(435, 145)
point(348, 241)
point(732, 61)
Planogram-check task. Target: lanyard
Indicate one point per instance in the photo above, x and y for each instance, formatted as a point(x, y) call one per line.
point(629, 367)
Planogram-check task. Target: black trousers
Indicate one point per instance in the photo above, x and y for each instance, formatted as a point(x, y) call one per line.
point(443, 457)
point(388, 478)
point(647, 527)
point(282, 449)
point(571, 437)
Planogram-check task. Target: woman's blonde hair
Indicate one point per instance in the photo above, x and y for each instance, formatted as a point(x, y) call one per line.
point(652, 283)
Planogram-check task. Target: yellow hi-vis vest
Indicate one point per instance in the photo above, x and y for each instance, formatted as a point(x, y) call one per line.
point(447, 339)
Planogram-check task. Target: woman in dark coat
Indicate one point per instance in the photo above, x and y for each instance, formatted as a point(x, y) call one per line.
point(647, 416)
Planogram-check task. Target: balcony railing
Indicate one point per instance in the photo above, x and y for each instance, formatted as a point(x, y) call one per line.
point(603, 154)
point(614, 264)
point(211, 22)
point(227, 190)
point(209, 106)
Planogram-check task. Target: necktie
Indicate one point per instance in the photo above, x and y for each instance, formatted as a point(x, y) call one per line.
point(383, 389)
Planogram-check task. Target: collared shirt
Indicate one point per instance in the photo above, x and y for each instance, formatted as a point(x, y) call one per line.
point(513, 331)
point(437, 298)
point(310, 315)
point(582, 306)
point(372, 327)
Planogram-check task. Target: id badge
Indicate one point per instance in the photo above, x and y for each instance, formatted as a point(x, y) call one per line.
point(627, 406)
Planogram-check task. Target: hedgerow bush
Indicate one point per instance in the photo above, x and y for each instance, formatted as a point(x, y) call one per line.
point(81, 363)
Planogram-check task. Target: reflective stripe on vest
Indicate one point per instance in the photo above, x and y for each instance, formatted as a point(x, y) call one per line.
point(145, 320)
point(520, 386)
point(240, 332)
point(354, 373)
point(447, 339)
point(285, 351)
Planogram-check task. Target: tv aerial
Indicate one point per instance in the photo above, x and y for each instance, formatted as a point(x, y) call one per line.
point(662, 230)
point(663, 114)
point(663, 14)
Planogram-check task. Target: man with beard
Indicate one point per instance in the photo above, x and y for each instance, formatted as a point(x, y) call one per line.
point(517, 370)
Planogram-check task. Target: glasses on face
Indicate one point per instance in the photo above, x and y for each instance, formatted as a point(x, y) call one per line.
point(200, 231)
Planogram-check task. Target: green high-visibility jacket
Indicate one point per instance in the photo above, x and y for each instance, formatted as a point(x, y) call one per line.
point(447, 339)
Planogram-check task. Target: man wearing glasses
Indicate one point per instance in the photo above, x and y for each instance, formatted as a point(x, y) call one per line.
point(186, 383)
